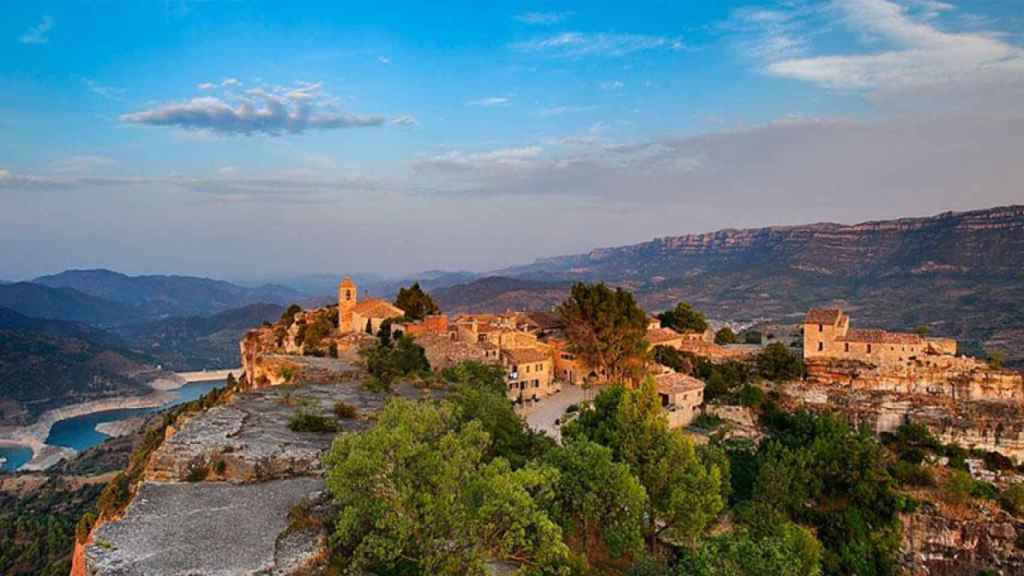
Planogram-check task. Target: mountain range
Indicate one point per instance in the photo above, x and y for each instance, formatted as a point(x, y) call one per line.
point(961, 274)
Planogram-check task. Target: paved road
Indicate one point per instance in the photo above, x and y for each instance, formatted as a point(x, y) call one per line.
point(542, 416)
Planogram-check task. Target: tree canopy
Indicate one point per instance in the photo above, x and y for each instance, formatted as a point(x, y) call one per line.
point(776, 362)
point(684, 318)
point(725, 335)
point(416, 303)
point(417, 495)
point(606, 329)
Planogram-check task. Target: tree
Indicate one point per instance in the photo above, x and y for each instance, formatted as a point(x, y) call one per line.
point(289, 314)
point(415, 495)
point(922, 331)
point(725, 336)
point(596, 496)
point(416, 303)
point(789, 550)
point(777, 363)
point(996, 359)
point(684, 492)
point(478, 392)
point(683, 318)
point(404, 358)
point(673, 358)
point(606, 329)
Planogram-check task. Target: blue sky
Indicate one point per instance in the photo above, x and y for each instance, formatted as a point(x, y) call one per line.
point(254, 139)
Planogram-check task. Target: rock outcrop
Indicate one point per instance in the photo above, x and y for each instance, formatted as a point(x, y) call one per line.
point(935, 544)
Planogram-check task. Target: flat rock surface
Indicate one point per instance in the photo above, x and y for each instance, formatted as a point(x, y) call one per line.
point(249, 440)
point(209, 528)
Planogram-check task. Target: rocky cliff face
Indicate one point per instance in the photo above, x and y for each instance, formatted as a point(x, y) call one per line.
point(936, 544)
point(233, 489)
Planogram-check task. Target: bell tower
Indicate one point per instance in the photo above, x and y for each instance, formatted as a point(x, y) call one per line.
point(348, 294)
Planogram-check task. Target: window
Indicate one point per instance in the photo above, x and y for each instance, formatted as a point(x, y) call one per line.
point(869, 348)
point(821, 327)
point(821, 346)
point(846, 347)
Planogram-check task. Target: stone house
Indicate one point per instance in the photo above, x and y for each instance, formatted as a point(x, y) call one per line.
point(529, 373)
point(681, 397)
point(828, 335)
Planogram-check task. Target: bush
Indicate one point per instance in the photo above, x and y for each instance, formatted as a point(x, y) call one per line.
point(751, 396)
point(197, 472)
point(84, 526)
point(725, 336)
point(289, 314)
point(308, 419)
point(344, 410)
point(912, 474)
point(958, 487)
point(706, 421)
point(1012, 499)
point(985, 490)
point(777, 363)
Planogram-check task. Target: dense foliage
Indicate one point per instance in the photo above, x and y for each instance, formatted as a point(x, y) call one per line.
point(606, 329)
point(778, 363)
point(401, 357)
point(684, 318)
point(725, 336)
point(416, 303)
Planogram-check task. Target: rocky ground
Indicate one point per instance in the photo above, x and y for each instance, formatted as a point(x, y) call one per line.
point(218, 494)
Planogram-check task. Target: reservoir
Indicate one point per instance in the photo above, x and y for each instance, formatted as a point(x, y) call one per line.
point(15, 456)
point(80, 432)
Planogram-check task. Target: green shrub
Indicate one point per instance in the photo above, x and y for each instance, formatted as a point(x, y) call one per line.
point(958, 487)
point(985, 490)
point(219, 466)
point(1012, 499)
point(344, 410)
point(84, 526)
point(197, 472)
point(912, 474)
point(308, 419)
point(751, 396)
point(706, 421)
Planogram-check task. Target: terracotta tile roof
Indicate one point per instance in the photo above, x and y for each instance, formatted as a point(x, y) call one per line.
point(377, 308)
point(347, 282)
point(823, 316)
point(880, 337)
point(525, 355)
point(676, 382)
point(545, 320)
point(660, 335)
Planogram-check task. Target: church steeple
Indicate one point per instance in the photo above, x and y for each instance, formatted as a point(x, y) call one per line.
point(348, 295)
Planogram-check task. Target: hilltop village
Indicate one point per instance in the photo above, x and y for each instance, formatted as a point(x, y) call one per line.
point(592, 439)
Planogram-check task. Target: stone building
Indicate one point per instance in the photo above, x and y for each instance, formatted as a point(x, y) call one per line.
point(362, 316)
point(529, 373)
point(681, 397)
point(827, 334)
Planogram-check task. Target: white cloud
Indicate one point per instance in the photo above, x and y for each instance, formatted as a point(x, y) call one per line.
point(489, 102)
point(108, 92)
point(494, 159)
point(38, 34)
point(206, 86)
point(915, 52)
point(612, 85)
point(258, 110)
point(405, 120)
point(561, 110)
point(4, 174)
point(384, 60)
point(543, 18)
point(579, 44)
point(231, 82)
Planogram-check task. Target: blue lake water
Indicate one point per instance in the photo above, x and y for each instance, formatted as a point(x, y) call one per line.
point(15, 455)
point(80, 432)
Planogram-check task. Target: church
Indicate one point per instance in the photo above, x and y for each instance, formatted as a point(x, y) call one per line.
point(362, 316)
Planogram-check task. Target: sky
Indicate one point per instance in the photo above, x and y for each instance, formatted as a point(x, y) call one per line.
point(247, 140)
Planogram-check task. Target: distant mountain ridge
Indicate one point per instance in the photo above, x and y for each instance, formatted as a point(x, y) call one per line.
point(960, 273)
point(47, 364)
point(977, 242)
point(68, 304)
point(157, 296)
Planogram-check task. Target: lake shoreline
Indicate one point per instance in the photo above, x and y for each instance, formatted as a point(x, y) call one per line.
point(165, 390)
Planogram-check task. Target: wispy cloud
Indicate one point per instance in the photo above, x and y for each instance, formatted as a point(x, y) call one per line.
point(494, 159)
point(273, 111)
point(106, 91)
point(611, 85)
point(917, 52)
point(383, 59)
point(405, 120)
point(38, 34)
point(206, 86)
point(489, 102)
point(560, 110)
point(579, 44)
point(82, 164)
point(543, 18)
point(231, 184)
point(231, 82)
